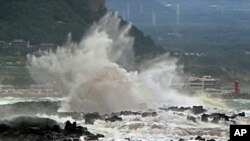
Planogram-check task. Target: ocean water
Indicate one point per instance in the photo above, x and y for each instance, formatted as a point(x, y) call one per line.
point(165, 126)
point(7, 100)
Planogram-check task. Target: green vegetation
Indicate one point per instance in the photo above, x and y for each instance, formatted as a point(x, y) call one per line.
point(51, 20)
point(45, 20)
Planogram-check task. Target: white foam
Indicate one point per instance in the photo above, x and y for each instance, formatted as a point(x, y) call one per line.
point(99, 74)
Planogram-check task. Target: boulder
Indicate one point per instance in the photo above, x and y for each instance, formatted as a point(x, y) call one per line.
point(217, 116)
point(242, 114)
point(43, 129)
point(113, 119)
point(91, 117)
point(126, 113)
point(147, 114)
point(199, 138)
point(4, 128)
point(204, 117)
point(198, 110)
point(191, 118)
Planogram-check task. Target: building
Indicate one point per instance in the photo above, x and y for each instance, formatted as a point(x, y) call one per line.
point(46, 47)
point(205, 84)
point(18, 44)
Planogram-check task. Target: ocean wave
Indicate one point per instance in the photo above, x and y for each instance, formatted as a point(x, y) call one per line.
point(13, 100)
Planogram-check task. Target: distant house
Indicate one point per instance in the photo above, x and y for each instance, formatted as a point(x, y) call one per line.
point(46, 47)
point(19, 43)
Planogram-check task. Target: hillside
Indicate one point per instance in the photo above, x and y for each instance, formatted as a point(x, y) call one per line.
point(51, 20)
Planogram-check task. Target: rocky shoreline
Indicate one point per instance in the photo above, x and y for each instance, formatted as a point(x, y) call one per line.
point(45, 129)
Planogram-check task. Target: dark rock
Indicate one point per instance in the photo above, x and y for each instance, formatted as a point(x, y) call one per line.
point(176, 109)
point(216, 119)
point(91, 138)
point(217, 116)
point(204, 117)
point(236, 115)
point(4, 128)
point(100, 135)
point(113, 119)
point(126, 113)
point(242, 114)
point(199, 138)
point(154, 114)
point(40, 129)
point(211, 140)
point(91, 117)
point(73, 129)
point(56, 128)
point(181, 140)
point(191, 118)
point(184, 108)
point(68, 126)
point(147, 114)
point(198, 110)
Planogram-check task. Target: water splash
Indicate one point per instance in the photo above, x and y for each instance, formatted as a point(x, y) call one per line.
point(96, 73)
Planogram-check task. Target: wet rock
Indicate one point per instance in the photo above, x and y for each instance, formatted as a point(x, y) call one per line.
point(211, 140)
point(100, 135)
point(149, 114)
point(74, 129)
point(113, 119)
point(198, 110)
point(216, 119)
point(218, 116)
point(176, 109)
point(4, 128)
point(204, 117)
point(41, 129)
point(91, 138)
point(91, 117)
point(184, 108)
point(191, 118)
point(199, 138)
point(56, 128)
point(242, 114)
point(236, 115)
point(126, 113)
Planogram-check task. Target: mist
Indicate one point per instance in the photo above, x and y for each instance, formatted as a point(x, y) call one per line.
point(99, 74)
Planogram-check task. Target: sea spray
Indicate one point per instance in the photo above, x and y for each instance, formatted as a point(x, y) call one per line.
point(99, 73)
